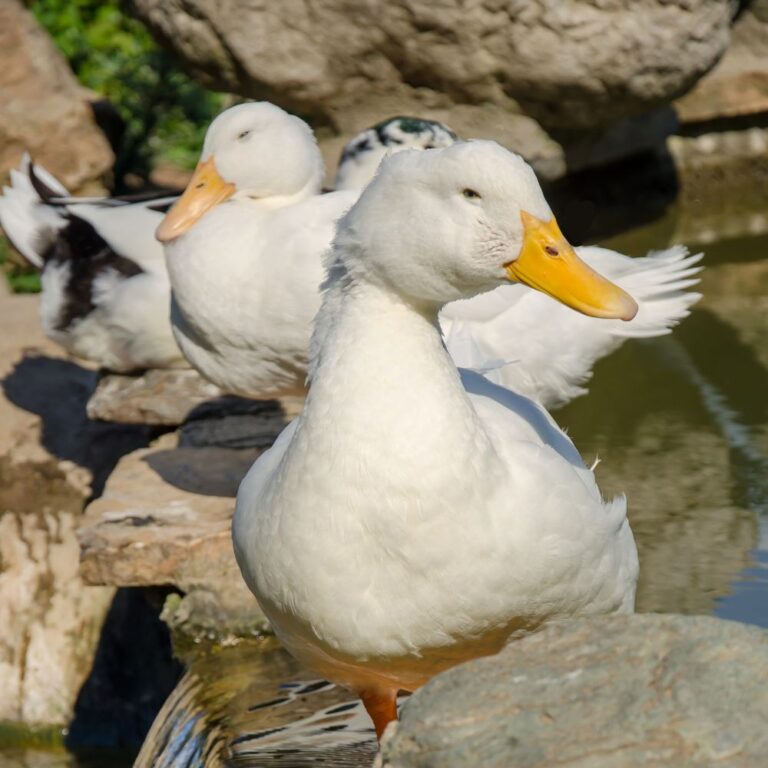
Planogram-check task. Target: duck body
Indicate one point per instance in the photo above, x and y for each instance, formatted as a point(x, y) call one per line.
point(236, 316)
point(105, 290)
point(415, 516)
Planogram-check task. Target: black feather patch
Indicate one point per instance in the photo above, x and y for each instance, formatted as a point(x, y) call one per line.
point(162, 207)
point(42, 189)
point(88, 255)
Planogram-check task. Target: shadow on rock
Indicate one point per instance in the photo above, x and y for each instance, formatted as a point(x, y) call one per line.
point(218, 444)
point(210, 471)
point(57, 391)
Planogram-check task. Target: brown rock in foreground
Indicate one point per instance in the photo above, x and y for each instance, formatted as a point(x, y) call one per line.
point(164, 519)
point(44, 110)
point(51, 459)
point(616, 692)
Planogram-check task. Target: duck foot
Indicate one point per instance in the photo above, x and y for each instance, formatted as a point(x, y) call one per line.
point(381, 705)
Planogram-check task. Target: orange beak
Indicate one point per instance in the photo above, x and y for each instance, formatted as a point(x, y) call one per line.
point(205, 190)
point(548, 263)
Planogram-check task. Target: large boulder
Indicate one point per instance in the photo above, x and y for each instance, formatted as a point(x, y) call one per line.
point(519, 72)
point(45, 111)
point(616, 692)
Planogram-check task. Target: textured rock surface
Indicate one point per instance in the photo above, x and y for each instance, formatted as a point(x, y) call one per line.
point(51, 458)
point(738, 85)
point(519, 72)
point(173, 397)
point(161, 397)
point(164, 519)
point(615, 692)
point(44, 107)
point(50, 621)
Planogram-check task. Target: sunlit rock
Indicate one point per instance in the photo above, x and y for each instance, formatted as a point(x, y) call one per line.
point(45, 111)
point(51, 460)
point(738, 85)
point(164, 519)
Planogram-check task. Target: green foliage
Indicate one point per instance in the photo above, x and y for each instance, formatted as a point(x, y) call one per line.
point(165, 112)
point(21, 279)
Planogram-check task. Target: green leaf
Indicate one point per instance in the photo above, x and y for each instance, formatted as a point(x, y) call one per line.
point(165, 113)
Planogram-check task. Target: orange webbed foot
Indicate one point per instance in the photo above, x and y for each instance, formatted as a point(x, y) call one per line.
point(381, 705)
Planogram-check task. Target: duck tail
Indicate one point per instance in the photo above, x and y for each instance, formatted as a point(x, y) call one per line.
point(659, 282)
point(28, 214)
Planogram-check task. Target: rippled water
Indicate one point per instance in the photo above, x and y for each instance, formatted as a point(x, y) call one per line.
point(252, 705)
point(680, 425)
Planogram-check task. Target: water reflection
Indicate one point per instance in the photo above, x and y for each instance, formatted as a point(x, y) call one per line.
point(682, 423)
point(252, 705)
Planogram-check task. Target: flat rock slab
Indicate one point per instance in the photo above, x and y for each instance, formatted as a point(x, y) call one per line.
point(613, 692)
point(160, 397)
point(182, 396)
point(149, 528)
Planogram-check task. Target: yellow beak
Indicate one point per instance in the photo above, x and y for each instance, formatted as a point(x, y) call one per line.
point(548, 263)
point(205, 190)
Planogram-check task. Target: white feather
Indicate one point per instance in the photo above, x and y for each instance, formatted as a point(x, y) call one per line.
point(545, 350)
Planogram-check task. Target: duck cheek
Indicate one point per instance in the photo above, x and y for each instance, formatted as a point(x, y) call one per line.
point(548, 263)
point(205, 190)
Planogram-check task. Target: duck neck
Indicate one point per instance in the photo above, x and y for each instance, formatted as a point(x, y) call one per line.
point(383, 372)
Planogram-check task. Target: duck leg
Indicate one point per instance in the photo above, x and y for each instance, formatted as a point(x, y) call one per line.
point(381, 705)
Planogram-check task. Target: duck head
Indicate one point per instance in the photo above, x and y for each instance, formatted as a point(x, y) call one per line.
point(252, 150)
point(448, 224)
point(362, 154)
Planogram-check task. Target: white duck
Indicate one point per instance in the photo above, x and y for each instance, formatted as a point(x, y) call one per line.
point(415, 516)
point(238, 312)
point(105, 289)
point(362, 154)
point(242, 311)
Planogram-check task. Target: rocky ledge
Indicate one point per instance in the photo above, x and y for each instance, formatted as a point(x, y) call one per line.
point(164, 519)
point(612, 692)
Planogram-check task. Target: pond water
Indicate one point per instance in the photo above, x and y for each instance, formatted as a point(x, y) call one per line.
point(680, 425)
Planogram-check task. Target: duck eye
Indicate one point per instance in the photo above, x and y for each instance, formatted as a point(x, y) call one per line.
point(470, 194)
point(244, 134)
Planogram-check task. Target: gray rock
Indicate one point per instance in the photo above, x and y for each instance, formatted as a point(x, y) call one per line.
point(582, 63)
point(182, 396)
point(615, 692)
point(44, 107)
point(234, 423)
point(519, 72)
